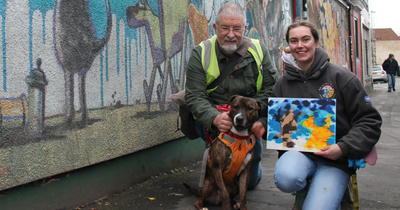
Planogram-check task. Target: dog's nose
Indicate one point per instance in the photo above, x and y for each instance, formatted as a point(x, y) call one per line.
point(239, 120)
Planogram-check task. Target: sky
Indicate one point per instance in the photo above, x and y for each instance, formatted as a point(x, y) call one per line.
point(385, 14)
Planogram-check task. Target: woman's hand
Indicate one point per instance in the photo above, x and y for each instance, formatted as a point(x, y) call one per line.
point(258, 129)
point(332, 152)
point(223, 122)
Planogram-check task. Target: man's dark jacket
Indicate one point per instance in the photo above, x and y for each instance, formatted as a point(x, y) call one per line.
point(391, 67)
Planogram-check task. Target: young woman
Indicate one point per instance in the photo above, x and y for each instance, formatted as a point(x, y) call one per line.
point(310, 75)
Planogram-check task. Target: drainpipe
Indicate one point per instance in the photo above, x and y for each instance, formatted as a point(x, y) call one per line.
point(350, 27)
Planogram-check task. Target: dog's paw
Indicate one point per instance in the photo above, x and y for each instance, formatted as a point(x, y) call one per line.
point(204, 208)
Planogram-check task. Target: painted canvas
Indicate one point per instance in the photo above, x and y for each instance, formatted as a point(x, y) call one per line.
point(301, 124)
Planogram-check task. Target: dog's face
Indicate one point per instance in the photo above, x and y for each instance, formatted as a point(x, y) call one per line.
point(244, 113)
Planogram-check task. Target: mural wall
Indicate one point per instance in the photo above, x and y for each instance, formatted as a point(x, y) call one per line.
point(84, 81)
point(331, 19)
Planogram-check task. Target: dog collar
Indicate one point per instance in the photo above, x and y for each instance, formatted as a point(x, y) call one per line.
point(235, 136)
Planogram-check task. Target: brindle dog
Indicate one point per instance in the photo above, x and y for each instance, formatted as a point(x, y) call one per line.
point(244, 113)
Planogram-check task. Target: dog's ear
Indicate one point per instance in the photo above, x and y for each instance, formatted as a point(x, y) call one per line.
point(259, 108)
point(232, 98)
point(259, 105)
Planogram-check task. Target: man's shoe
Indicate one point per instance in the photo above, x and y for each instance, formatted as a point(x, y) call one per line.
point(389, 91)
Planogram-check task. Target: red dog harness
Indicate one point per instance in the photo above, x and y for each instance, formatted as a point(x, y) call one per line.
point(240, 146)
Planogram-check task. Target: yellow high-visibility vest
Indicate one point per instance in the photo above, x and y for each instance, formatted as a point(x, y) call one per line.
point(209, 60)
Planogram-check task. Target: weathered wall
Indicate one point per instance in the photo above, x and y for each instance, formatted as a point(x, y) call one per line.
point(105, 70)
point(331, 19)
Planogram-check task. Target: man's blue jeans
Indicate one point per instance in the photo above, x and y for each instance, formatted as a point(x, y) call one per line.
point(391, 81)
point(255, 169)
point(294, 170)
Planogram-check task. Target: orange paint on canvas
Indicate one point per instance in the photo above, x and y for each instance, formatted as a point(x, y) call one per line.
point(319, 135)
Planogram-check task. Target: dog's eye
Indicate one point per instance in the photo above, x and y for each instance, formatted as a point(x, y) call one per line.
point(235, 107)
point(250, 108)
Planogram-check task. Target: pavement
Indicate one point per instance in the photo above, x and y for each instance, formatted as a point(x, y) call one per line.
point(378, 186)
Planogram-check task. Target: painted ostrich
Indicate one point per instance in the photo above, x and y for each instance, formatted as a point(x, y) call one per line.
point(76, 47)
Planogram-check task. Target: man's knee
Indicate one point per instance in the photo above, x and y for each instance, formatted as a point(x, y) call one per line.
point(258, 150)
point(255, 175)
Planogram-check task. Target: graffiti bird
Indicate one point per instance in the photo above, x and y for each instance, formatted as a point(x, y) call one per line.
point(76, 46)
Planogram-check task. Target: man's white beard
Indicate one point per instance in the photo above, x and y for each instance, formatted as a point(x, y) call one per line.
point(231, 47)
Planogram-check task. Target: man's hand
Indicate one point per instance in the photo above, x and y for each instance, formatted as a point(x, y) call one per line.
point(223, 122)
point(258, 129)
point(332, 152)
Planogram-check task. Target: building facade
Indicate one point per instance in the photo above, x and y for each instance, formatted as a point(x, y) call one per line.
point(386, 42)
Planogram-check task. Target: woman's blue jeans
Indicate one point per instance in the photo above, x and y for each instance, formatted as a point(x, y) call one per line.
point(255, 169)
point(327, 184)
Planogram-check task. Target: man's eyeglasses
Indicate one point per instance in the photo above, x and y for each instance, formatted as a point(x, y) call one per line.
point(227, 29)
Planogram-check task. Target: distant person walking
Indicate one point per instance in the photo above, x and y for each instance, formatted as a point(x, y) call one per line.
point(391, 67)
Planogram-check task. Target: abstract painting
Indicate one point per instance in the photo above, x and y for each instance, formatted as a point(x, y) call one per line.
point(301, 124)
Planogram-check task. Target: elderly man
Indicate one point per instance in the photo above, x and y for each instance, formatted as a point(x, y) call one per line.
point(253, 76)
